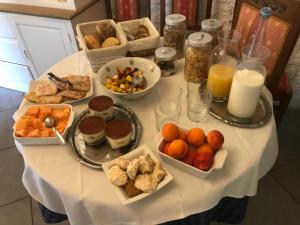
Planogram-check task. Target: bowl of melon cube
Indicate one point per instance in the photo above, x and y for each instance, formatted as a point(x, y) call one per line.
point(30, 129)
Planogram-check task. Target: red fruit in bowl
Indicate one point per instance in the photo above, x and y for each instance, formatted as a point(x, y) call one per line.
point(215, 139)
point(165, 148)
point(190, 156)
point(204, 161)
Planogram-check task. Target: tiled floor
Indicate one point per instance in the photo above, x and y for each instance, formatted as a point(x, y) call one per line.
point(276, 203)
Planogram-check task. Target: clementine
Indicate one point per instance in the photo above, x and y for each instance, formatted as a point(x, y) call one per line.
point(178, 149)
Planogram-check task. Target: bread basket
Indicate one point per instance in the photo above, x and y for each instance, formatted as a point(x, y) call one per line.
point(98, 57)
point(144, 46)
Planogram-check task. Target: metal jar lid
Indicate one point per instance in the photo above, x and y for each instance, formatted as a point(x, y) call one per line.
point(265, 12)
point(211, 24)
point(165, 53)
point(199, 39)
point(175, 19)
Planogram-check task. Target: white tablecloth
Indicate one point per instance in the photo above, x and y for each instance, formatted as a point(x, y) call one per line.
point(53, 177)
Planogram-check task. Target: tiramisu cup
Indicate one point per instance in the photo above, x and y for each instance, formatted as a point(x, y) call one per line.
point(101, 106)
point(92, 129)
point(118, 133)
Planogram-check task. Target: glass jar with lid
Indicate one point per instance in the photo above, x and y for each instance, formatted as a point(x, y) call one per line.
point(175, 33)
point(197, 55)
point(165, 58)
point(213, 27)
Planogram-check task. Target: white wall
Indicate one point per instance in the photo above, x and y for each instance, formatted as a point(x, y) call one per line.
point(63, 4)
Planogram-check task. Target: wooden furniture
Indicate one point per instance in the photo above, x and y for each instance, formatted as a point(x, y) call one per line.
point(33, 38)
point(194, 10)
point(281, 35)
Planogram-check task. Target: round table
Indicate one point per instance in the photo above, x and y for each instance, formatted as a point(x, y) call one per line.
point(56, 179)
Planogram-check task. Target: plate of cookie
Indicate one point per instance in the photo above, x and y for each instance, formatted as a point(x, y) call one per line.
point(136, 175)
point(46, 91)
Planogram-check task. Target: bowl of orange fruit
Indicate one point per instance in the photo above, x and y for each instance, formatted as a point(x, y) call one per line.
point(192, 150)
point(30, 129)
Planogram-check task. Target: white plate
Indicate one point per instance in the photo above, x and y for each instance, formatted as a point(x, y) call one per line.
point(142, 150)
point(34, 83)
point(43, 140)
point(219, 160)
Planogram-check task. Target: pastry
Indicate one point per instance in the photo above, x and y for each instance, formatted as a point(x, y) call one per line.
point(48, 88)
point(80, 83)
point(158, 173)
point(141, 32)
point(143, 182)
point(74, 94)
point(131, 190)
point(117, 176)
point(123, 163)
point(49, 99)
point(92, 41)
point(132, 168)
point(105, 30)
point(118, 133)
point(101, 106)
point(92, 129)
point(111, 41)
point(146, 164)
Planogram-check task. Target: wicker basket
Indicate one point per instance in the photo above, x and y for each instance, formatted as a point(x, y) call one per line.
point(98, 57)
point(144, 46)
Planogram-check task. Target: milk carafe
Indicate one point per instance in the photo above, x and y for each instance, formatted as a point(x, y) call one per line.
point(247, 83)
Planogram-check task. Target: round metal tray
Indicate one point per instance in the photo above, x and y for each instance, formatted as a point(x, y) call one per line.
point(261, 116)
point(94, 155)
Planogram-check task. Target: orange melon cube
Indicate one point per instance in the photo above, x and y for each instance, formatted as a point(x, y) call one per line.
point(34, 133)
point(37, 123)
point(21, 133)
point(22, 124)
point(32, 111)
point(60, 114)
point(46, 132)
point(44, 112)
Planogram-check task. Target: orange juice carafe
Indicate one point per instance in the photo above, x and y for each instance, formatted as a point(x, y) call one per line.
point(223, 62)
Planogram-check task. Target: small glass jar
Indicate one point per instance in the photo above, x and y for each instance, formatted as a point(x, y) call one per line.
point(165, 58)
point(197, 55)
point(175, 33)
point(213, 27)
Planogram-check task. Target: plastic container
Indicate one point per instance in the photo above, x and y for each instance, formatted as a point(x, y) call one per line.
point(197, 56)
point(175, 33)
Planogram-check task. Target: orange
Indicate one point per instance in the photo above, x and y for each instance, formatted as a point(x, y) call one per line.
point(170, 132)
point(178, 149)
point(196, 136)
point(206, 148)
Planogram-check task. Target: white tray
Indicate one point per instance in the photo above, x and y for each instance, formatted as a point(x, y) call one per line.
point(143, 149)
point(43, 140)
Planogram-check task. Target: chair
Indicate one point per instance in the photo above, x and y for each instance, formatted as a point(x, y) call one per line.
point(121, 10)
point(282, 33)
point(194, 10)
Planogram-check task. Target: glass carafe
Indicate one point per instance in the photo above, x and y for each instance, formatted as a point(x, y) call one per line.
point(248, 80)
point(222, 65)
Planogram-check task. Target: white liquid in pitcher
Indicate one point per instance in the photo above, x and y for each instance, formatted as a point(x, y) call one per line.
point(244, 94)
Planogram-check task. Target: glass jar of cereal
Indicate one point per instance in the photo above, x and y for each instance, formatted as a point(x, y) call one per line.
point(175, 33)
point(197, 55)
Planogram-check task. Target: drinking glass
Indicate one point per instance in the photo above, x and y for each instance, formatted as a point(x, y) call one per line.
point(168, 107)
point(199, 98)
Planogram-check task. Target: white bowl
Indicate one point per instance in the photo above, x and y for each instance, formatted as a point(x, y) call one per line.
point(219, 160)
point(152, 74)
point(141, 150)
point(43, 140)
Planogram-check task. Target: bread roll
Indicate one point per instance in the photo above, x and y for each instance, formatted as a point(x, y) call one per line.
point(105, 30)
point(111, 41)
point(92, 41)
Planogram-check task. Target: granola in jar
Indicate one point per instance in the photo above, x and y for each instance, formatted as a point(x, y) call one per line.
point(197, 56)
point(175, 33)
